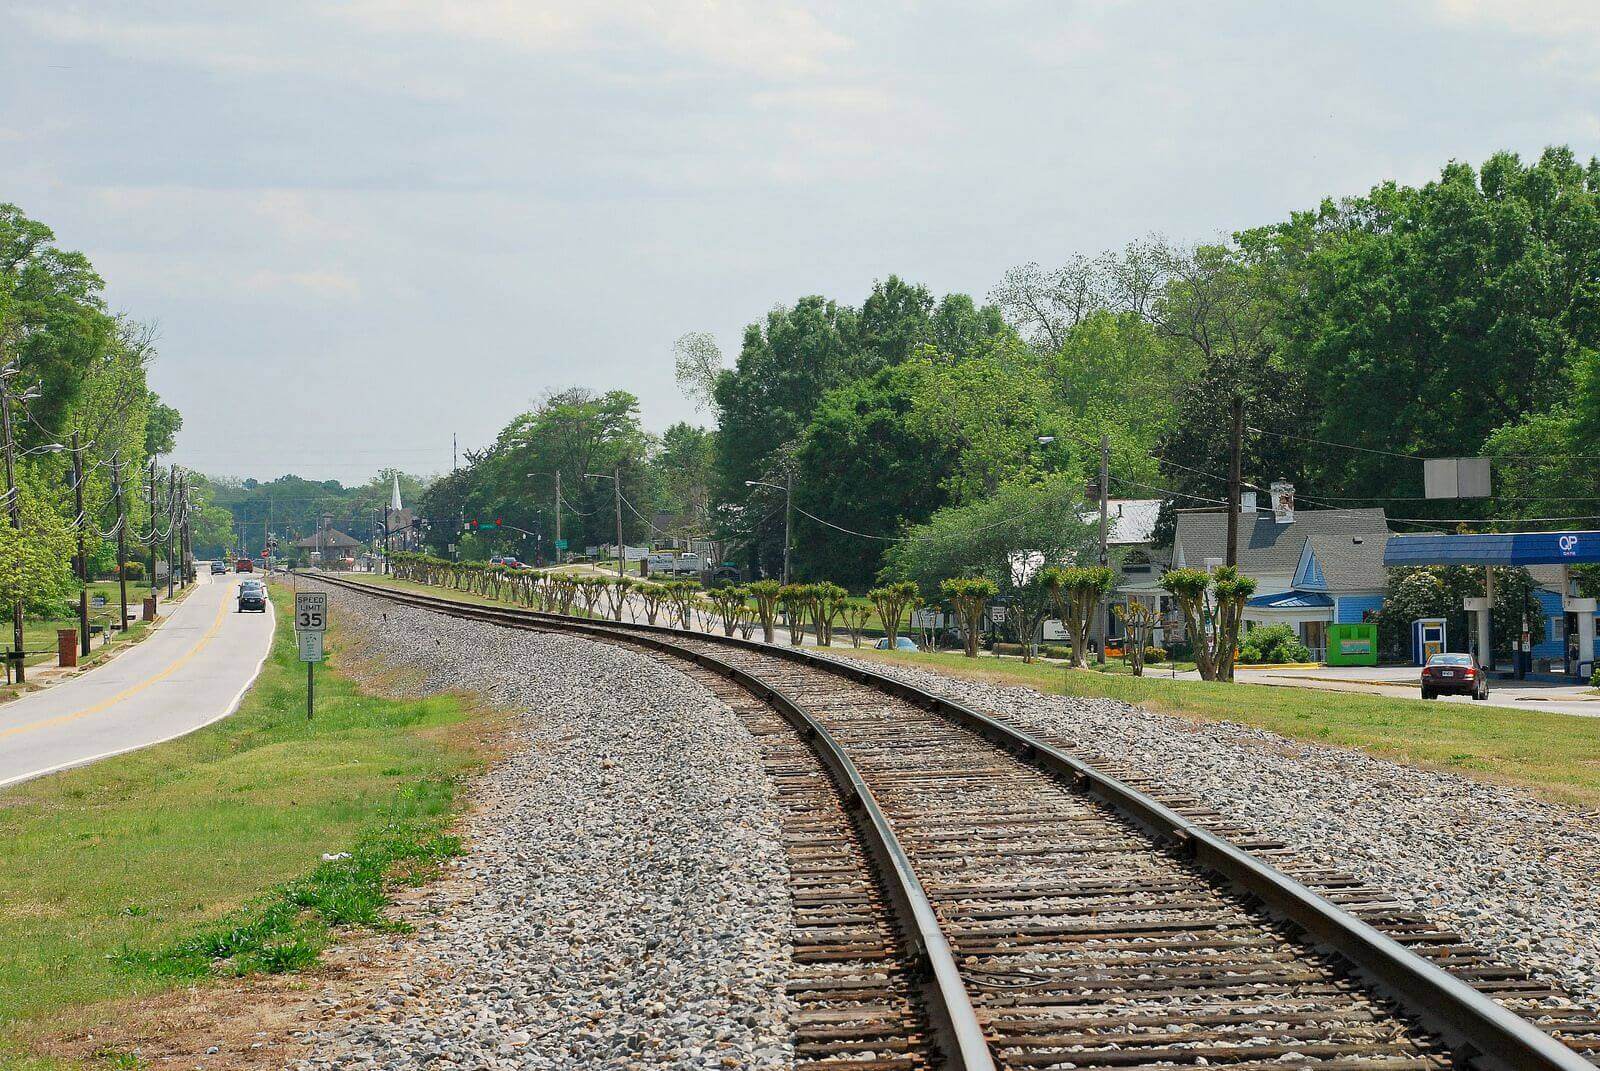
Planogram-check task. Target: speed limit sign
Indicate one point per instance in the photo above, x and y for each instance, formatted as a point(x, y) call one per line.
point(311, 611)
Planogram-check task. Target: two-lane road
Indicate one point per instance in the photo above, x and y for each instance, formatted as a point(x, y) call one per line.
point(190, 672)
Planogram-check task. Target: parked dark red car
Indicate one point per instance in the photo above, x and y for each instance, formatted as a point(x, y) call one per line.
point(1454, 674)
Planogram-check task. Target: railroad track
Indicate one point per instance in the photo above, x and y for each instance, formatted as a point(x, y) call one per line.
point(1025, 908)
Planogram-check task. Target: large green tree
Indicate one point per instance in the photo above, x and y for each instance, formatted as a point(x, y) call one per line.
point(867, 464)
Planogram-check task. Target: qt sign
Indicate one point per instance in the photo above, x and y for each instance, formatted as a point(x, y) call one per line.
point(1568, 545)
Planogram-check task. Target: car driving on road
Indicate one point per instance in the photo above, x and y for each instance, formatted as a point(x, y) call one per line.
point(218, 566)
point(1454, 674)
point(253, 596)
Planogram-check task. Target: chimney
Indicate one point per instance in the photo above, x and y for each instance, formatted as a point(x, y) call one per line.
point(1247, 501)
point(1283, 501)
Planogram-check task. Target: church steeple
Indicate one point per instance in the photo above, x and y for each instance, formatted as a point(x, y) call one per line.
point(394, 494)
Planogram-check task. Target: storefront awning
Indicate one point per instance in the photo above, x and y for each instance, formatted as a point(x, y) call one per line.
point(1493, 548)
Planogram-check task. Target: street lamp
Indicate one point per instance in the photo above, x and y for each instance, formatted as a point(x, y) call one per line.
point(788, 513)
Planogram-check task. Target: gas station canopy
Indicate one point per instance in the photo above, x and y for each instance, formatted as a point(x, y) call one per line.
point(1494, 548)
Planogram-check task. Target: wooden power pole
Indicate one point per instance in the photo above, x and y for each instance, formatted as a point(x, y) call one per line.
point(1235, 449)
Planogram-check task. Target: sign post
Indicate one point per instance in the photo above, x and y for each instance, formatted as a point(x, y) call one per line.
point(310, 622)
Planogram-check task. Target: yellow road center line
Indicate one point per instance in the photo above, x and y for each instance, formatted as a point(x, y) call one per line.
point(132, 690)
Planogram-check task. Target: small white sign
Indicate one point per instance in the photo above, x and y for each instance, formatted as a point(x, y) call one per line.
point(310, 611)
point(310, 646)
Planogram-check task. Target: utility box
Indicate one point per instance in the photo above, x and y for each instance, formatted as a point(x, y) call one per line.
point(66, 647)
point(149, 607)
point(1427, 639)
point(1353, 645)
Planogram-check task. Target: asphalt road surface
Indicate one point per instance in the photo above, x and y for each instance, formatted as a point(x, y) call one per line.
point(190, 672)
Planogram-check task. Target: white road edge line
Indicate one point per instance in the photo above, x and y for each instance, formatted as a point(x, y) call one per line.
point(233, 705)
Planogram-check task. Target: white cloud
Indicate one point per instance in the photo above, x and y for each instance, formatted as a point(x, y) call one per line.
point(751, 37)
point(1569, 29)
point(1539, 18)
point(323, 282)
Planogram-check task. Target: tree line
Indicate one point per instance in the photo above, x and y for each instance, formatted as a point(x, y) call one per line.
point(920, 436)
point(82, 420)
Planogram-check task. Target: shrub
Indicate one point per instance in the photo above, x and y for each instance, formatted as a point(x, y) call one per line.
point(1008, 648)
point(1272, 644)
point(1053, 650)
point(133, 570)
point(1154, 654)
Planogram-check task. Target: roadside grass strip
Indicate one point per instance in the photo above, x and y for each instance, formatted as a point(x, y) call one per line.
point(239, 848)
point(292, 924)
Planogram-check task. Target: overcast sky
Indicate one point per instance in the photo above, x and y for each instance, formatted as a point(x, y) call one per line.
point(394, 220)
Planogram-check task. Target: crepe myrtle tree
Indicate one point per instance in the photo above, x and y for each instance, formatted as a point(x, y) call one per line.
point(1139, 618)
point(893, 602)
point(764, 593)
point(1212, 605)
point(729, 602)
point(827, 603)
point(969, 597)
point(795, 600)
point(616, 590)
point(681, 595)
point(856, 615)
point(1076, 592)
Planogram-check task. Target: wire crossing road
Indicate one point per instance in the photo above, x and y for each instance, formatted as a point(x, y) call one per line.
point(192, 671)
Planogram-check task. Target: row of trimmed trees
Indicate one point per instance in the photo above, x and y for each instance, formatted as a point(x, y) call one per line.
point(1211, 603)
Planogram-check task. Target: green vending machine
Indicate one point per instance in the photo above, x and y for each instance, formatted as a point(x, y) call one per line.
point(1353, 645)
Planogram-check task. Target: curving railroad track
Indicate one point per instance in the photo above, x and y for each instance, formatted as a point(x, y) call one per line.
point(967, 895)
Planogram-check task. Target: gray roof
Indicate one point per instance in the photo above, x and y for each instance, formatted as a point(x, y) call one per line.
point(332, 539)
point(1350, 562)
point(1265, 546)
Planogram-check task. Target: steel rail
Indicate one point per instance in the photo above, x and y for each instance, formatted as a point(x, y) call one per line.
point(957, 1034)
point(1475, 1027)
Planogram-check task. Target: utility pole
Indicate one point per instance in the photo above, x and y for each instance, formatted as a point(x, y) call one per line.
point(558, 516)
point(152, 528)
point(455, 456)
point(83, 550)
point(186, 545)
point(1235, 449)
point(172, 514)
point(788, 517)
point(622, 553)
point(122, 542)
point(1099, 633)
point(16, 521)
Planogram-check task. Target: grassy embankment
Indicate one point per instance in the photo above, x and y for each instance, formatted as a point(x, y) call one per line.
point(1555, 756)
point(203, 856)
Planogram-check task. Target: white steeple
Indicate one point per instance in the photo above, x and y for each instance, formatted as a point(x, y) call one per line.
point(394, 494)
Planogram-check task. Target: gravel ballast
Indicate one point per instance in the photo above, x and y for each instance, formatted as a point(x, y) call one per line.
point(627, 903)
point(1517, 876)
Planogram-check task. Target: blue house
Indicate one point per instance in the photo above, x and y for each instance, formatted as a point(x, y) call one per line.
point(1313, 568)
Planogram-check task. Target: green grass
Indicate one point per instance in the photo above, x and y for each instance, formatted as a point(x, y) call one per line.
point(204, 855)
point(1555, 756)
